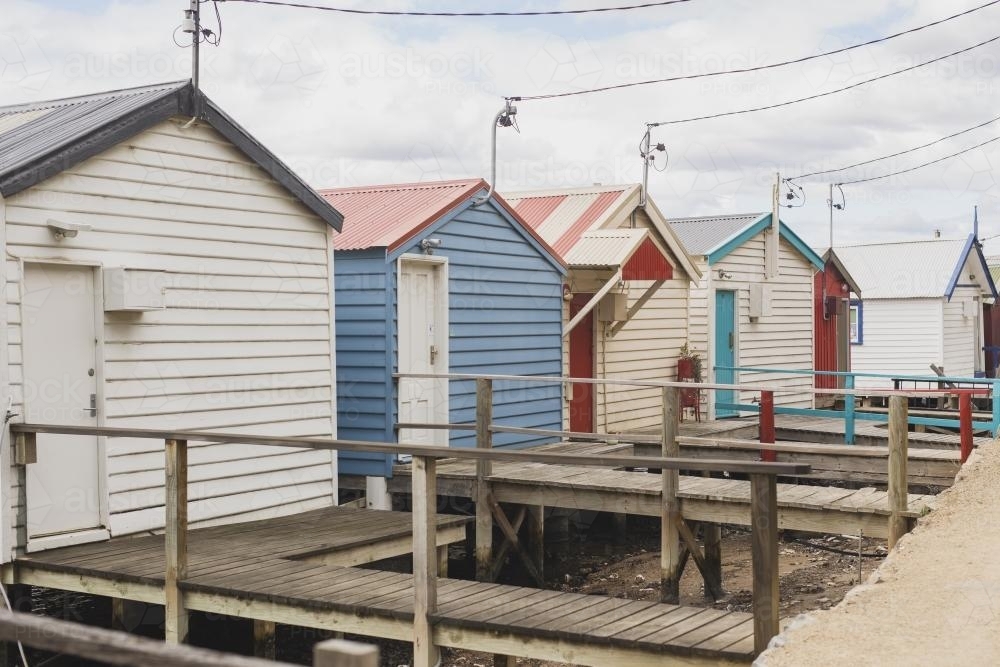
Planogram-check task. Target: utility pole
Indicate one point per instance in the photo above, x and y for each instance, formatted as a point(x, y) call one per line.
point(192, 25)
point(771, 246)
point(829, 202)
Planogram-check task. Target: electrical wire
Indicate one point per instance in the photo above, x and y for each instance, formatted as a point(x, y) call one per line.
point(385, 12)
point(892, 155)
point(829, 92)
point(757, 68)
point(919, 166)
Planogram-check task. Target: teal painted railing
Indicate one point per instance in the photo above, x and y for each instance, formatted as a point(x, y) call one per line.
point(851, 415)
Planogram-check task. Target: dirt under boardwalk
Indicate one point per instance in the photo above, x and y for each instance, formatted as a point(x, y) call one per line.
point(934, 601)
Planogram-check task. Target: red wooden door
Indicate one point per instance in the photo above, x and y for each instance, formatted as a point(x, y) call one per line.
point(581, 365)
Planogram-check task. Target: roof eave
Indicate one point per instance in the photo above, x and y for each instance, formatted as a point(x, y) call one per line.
point(673, 242)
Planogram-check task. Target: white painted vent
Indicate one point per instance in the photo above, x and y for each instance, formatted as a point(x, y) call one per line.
point(131, 290)
point(760, 301)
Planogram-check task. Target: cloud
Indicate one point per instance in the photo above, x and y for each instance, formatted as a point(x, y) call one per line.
point(354, 100)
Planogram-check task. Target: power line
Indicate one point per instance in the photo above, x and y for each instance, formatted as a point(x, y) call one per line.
point(756, 68)
point(920, 166)
point(827, 93)
point(385, 12)
point(892, 155)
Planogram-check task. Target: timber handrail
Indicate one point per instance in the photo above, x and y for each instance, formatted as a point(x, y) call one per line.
point(494, 455)
point(663, 384)
point(121, 648)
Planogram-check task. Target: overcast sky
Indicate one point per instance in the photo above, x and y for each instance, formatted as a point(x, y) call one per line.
point(352, 100)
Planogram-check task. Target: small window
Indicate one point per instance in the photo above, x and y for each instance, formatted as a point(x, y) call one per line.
point(857, 323)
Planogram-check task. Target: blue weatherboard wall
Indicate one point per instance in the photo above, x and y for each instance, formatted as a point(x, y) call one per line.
point(504, 317)
point(364, 390)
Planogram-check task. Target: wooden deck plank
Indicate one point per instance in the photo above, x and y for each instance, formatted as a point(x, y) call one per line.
point(666, 619)
point(739, 632)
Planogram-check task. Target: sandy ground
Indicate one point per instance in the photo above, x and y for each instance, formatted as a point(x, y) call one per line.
point(934, 601)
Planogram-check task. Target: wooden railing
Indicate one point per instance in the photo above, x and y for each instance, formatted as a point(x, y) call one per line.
point(176, 442)
point(120, 648)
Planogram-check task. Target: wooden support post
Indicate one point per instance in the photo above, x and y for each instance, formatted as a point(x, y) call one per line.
point(484, 515)
point(510, 533)
point(425, 653)
point(443, 560)
point(713, 561)
point(341, 653)
point(176, 622)
point(24, 448)
point(536, 537)
point(767, 425)
point(264, 645)
point(670, 548)
point(965, 424)
point(898, 446)
point(504, 661)
point(764, 551)
point(118, 615)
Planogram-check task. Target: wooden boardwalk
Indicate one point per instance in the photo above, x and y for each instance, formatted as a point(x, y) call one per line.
point(814, 508)
point(269, 571)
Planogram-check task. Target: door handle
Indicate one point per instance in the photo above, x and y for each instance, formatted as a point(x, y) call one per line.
point(93, 405)
point(434, 354)
point(732, 341)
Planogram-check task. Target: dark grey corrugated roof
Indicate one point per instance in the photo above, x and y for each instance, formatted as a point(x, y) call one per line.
point(703, 234)
point(41, 139)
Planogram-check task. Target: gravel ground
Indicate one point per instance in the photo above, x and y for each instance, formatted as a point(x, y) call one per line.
point(934, 601)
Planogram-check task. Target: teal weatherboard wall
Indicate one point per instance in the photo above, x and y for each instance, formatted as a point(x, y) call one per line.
point(504, 317)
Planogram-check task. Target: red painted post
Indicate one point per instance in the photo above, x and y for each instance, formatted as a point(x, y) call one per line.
point(965, 423)
point(767, 425)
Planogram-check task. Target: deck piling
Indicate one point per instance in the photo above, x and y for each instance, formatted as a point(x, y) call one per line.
point(425, 653)
point(175, 539)
point(670, 546)
point(764, 552)
point(898, 445)
point(484, 514)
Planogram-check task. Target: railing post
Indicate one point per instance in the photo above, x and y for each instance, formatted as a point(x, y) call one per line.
point(670, 547)
point(898, 489)
point(995, 404)
point(764, 552)
point(484, 517)
point(342, 653)
point(965, 423)
point(425, 653)
point(849, 410)
point(767, 425)
point(175, 528)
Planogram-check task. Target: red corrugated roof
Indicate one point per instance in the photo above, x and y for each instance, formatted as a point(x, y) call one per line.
point(562, 217)
point(389, 216)
point(384, 216)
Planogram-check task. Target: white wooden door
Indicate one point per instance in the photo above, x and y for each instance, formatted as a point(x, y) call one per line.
point(64, 488)
point(422, 340)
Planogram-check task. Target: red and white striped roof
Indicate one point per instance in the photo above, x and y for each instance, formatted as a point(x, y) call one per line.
point(564, 216)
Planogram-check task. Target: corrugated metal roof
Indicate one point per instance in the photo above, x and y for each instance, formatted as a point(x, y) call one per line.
point(562, 216)
point(901, 270)
point(994, 263)
point(41, 139)
point(700, 235)
point(31, 130)
point(605, 248)
point(381, 216)
point(388, 216)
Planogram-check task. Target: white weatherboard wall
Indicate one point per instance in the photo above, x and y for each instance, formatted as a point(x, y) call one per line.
point(645, 348)
point(782, 340)
point(962, 333)
point(244, 343)
point(899, 337)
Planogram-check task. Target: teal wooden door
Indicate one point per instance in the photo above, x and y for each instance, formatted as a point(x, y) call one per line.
point(725, 350)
